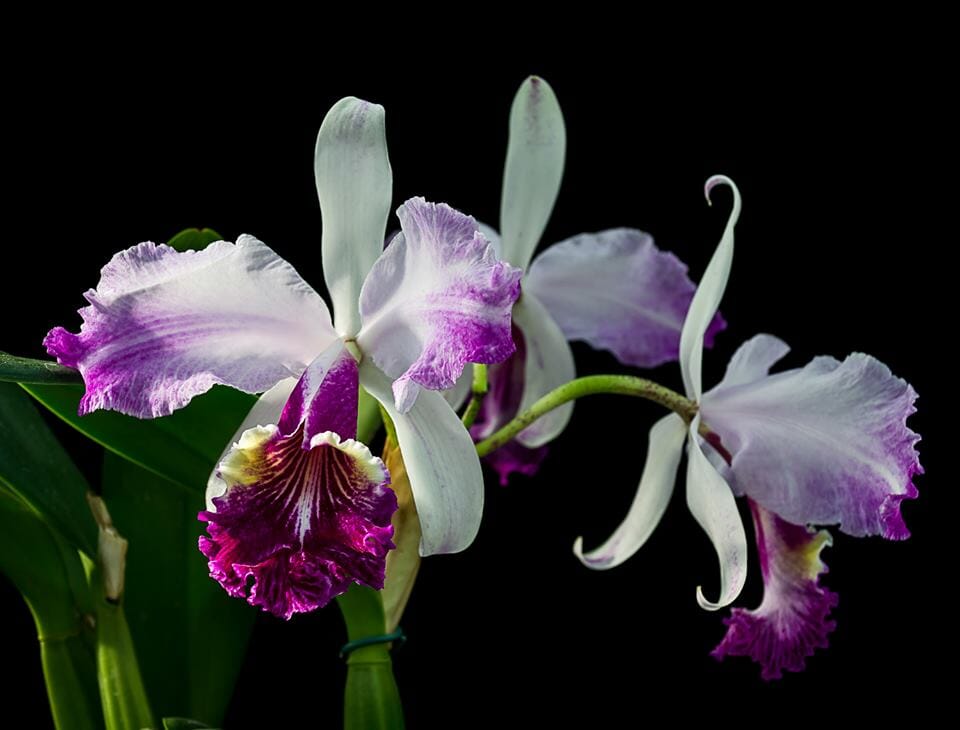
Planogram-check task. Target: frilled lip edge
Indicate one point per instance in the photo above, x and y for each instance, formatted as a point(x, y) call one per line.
point(298, 526)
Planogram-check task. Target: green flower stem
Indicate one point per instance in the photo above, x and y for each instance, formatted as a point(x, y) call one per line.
point(15, 369)
point(480, 388)
point(591, 385)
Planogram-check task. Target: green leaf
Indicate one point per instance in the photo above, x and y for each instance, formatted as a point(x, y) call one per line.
point(15, 369)
point(183, 447)
point(50, 575)
point(190, 635)
point(34, 466)
point(194, 238)
point(182, 723)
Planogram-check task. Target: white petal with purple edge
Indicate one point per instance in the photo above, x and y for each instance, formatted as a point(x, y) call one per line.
point(708, 296)
point(824, 444)
point(665, 447)
point(461, 390)
point(533, 170)
point(616, 290)
point(355, 186)
point(711, 502)
point(436, 299)
point(549, 364)
point(164, 326)
point(442, 465)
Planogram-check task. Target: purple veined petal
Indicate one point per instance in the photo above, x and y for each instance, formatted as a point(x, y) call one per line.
point(707, 298)
point(752, 361)
point(297, 526)
point(665, 447)
point(548, 365)
point(441, 462)
point(533, 170)
point(326, 396)
point(435, 300)
point(826, 444)
point(617, 291)
point(792, 620)
point(265, 411)
point(355, 187)
point(461, 390)
point(711, 502)
point(164, 326)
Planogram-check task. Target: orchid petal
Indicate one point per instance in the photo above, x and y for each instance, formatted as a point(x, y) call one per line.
point(548, 365)
point(441, 462)
point(791, 621)
point(355, 186)
point(298, 526)
point(711, 502)
point(326, 396)
point(752, 361)
point(164, 326)
point(435, 300)
point(616, 290)
point(265, 411)
point(707, 298)
point(824, 444)
point(461, 390)
point(664, 449)
point(533, 170)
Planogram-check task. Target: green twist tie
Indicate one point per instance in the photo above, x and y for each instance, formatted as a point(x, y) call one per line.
point(352, 646)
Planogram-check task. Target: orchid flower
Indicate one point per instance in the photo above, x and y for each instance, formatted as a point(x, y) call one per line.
point(297, 510)
point(613, 289)
point(826, 444)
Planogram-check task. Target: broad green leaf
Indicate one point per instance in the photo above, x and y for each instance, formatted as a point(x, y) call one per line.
point(194, 238)
point(49, 574)
point(190, 636)
point(34, 467)
point(182, 723)
point(15, 369)
point(183, 447)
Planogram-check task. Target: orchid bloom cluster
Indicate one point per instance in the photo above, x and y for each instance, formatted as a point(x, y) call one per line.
point(298, 510)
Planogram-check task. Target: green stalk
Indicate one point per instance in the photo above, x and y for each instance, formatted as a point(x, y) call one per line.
point(480, 388)
point(15, 369)
point(590, 385)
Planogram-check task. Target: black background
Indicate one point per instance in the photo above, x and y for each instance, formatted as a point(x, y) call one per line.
point(838, 153)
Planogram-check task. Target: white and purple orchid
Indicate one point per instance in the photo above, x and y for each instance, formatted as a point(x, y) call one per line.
point(297, 509)
point(826, 444)
point(614, 289)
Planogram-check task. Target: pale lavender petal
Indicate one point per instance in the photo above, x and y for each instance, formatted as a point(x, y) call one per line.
point(752, 361)
point(461, 390)
point(664, 449)
point(297, 526)
point(711, 502)
point(441, 462)
point(436, 299)
point(355, 187)
point(326, 396)
point(709, 292)
point(515, 458)
point(164, 326)
point(548, 365)
point(533, 169)
point(791, 621)
point(825, 444)
point(617, 291)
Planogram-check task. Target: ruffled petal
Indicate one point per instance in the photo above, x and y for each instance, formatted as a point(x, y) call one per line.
point(461, 390)
point(712, 504)
point(164, 326)
point(617, 291)
point(664, 449)
point(298, 526)
point(824, 444)
point(791, 621)
point(707, 298)
point(548, 364)
point(441, 462)
point(533, 170)
point(435, 300)
point(355, 186)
